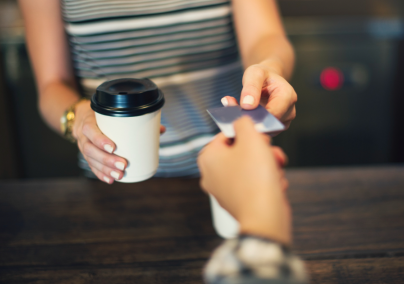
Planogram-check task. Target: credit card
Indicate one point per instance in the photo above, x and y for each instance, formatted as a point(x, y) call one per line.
point(264, 121)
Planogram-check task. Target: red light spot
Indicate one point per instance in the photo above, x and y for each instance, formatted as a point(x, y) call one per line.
point(331, 78)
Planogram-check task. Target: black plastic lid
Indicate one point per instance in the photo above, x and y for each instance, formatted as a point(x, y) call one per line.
point(127, 97)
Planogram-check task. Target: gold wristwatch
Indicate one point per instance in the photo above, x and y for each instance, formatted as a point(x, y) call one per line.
point(67, 121)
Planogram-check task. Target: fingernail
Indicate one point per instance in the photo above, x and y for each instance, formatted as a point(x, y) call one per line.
point(107, 179)
point(225, 102)
point(108, 148)
point(248, 100)
point(115, 175)
point(120, 166)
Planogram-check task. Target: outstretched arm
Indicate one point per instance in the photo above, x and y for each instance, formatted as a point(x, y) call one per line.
point(268, 59)
point(247, 180)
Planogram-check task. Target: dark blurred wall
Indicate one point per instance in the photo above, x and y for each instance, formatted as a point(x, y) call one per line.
point(10, 163)
point(42, 152)
point(9, 159)
point(360, 122)
point(341, 8)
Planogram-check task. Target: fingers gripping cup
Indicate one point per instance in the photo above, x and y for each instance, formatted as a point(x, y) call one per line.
point(128, 111)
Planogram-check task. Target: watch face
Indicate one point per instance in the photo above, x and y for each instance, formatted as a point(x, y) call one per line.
point(70, 115)
point(63, 122)
point(66, 123)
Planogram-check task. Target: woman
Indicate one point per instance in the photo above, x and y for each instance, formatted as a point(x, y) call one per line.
point(190, 49)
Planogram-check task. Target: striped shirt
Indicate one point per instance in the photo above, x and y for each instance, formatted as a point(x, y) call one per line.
point(187, 47)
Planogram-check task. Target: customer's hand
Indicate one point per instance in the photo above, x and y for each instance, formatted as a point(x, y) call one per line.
point(263, 85)
point(97, 148)
point(247, 180)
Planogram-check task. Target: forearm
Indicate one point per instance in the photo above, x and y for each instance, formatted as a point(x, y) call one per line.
point(50, 58)
point(261, 36)
point(268, 224)
point(54, 99)
point(274, 51)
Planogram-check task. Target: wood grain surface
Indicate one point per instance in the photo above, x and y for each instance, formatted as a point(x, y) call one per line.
point(357, 271)
point(348, 225)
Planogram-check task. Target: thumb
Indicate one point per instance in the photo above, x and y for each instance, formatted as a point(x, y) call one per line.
point(245, 130)
point(253, 79)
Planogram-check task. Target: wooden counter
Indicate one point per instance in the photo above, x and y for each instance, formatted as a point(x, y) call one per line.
point(348, 225)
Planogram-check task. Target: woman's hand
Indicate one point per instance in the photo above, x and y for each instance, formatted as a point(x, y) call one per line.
point(97, 148)
point(268, 57)
point(247, 180)
point(261, 84)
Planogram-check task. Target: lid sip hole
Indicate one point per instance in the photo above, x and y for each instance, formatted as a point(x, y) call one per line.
point(123, 93)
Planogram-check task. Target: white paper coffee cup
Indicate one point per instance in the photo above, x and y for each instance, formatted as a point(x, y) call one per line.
point(128, 111)
point(225, 225)
point(137, 140)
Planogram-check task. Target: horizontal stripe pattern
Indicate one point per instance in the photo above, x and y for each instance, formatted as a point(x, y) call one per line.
point(85, 10)
point(187, 47)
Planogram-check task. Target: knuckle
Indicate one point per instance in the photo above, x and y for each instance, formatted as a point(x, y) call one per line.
point(258, 71)
point(100, 140)
point(292, 115)
point(287, 124)
point(294, 96)
point(106, 170)
point(294, 112)
point(90, 163)
point(86, 129)
point(106, 160)
point(86, 148)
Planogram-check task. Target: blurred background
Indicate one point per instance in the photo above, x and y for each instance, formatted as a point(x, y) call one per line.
point(349, 78)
